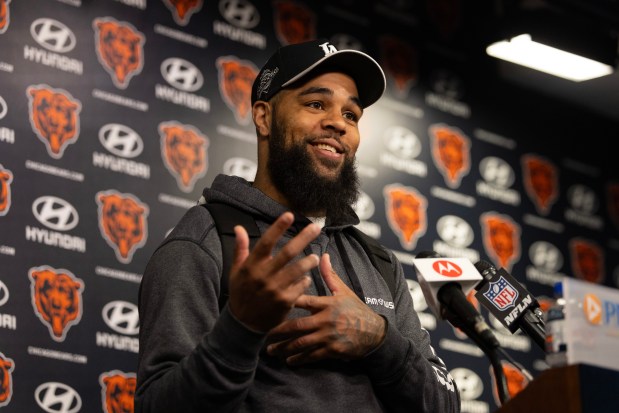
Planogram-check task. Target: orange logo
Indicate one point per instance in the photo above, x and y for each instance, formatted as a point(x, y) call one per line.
point(117, 391)
point(182, 10)
point(294, 23)
point(235, 82)
point(6, 177)
point(541, 181)
point(592, 307)
point(501, 238)
point(587, 260)
point(400, 61)
point(612, 194)
point(54, 117)
point(447, 268)
point(516, 381)
point(122, 222)
point(6, 380)
point(451, 153)
point(119, 48)
point(56, 298)
point(4, 15)
point(406, 213)
point(183, 149)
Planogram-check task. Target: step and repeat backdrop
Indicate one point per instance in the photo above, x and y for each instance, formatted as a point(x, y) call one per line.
point(114, 114)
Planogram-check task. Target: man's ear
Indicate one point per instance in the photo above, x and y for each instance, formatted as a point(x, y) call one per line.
point(261, 113)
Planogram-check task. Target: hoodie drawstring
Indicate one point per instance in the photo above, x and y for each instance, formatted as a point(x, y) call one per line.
point(320, 285)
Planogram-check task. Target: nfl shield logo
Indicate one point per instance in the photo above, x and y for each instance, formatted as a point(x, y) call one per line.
point(502, 294)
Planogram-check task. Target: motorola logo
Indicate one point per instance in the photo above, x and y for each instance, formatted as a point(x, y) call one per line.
point(122, 317)
point(241, 167)
point(3, 108)
point(545, 256)
point(54, 397)
point(121, 140)
point(364, 207)
point(497, 172)
point(402, 142)
point(4, 294)
point(455, 231)
point(53, 35)
point(582, 199)
point(240, 13)
point(468, 382)
point(182, 74)
point(55, 213)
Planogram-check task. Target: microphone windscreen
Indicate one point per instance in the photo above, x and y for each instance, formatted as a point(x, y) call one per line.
point(482, 266)
point(428, 254)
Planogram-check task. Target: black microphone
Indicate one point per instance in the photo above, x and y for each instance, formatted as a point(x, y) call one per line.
point(445, 283)
point(510, 302)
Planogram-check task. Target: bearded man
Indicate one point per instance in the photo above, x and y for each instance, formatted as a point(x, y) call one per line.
point(310, 325)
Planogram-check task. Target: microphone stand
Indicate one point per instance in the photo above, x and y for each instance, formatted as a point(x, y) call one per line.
point(534, 327)
point(491, 349)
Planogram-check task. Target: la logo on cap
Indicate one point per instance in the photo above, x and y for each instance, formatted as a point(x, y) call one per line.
point(328, 48)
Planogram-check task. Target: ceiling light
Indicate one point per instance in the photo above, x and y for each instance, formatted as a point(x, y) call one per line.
point(524, 51)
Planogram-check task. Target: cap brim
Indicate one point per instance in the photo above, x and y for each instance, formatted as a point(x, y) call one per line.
point(365, 71)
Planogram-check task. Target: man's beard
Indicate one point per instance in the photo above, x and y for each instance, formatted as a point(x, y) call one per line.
point(294, 174)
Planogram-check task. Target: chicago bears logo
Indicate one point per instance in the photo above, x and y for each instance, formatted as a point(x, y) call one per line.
point(235, 81)
point(117, 391)
point(6, 379)
point(182, 10)
point(541, 182)
point(54, 117)
point(587, 260)
point(501, 238)
point(515, 378)
point(612, 202)
point(6, 177)
point(400, 61)
point(120, 49)
point(183, 149)
point(56, 298)
point(406, 213)
point(4, 15)
point(451, 153)
point(122, 222)
point(294, 22)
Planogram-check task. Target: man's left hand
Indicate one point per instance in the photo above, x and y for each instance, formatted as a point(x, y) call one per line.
point(340, 326)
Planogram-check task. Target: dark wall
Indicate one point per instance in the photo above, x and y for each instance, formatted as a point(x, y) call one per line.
point(91, 132)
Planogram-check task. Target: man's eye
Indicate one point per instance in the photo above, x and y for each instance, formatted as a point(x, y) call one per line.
point(315, 105)
point(351, 116)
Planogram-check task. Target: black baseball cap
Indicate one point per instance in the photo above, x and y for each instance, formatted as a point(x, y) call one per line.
point(296, 61)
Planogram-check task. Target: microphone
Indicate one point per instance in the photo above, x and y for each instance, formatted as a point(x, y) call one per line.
point(510, 302)
point(445, 282)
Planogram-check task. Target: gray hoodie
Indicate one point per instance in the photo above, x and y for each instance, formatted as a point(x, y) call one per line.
point(194, 359)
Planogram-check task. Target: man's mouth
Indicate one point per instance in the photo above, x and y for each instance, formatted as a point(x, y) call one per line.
point(326, 147)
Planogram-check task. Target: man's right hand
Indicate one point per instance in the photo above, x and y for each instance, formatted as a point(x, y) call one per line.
point(264, 287)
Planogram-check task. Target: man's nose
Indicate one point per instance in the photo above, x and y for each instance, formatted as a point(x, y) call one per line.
point(334, 120)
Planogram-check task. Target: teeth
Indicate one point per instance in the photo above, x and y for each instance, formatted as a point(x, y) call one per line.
point(326, 147)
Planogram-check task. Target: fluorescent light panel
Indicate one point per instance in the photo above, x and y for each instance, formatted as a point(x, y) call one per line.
point(524, 51)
